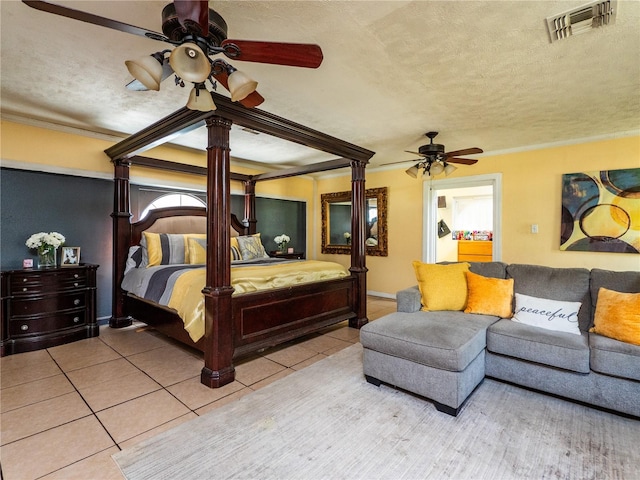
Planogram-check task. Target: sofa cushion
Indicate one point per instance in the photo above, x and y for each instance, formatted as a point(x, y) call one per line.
point(489, 269)
point(611, 357)
point(443, 287)
point(489, 296)
point(544, 313)
point(618, 316)
point(445, 340)
point(628, 282)
point(557, 349)
point(566, 284)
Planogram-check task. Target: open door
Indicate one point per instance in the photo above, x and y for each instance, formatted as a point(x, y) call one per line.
point(473, 244)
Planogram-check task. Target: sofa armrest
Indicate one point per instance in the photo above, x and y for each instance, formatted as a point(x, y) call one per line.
point(409, 300)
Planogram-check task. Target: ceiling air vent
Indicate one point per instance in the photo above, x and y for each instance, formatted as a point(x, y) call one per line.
point(581, 19)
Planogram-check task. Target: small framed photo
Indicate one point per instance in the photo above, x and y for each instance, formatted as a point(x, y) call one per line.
point(70, 256)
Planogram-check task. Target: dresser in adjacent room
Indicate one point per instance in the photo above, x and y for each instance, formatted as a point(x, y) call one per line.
point(46, 307)
point(475, 251)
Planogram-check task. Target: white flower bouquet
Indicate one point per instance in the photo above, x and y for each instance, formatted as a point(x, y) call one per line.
point(282, 241)
point(347, 237)
point(44, 242)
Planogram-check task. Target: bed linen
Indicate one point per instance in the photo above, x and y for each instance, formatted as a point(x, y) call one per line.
point(180, 286)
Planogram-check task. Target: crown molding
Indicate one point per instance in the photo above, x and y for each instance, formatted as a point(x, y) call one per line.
point(527, 148)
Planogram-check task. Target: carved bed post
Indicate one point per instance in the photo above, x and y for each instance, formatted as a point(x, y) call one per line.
point(121, 240)
point(358, 237)
point(250, 206)
point(218, 338)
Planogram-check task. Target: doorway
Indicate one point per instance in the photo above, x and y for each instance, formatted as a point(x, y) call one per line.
point(487, 185)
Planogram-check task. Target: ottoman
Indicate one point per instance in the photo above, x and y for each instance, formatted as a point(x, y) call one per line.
point(437, 355)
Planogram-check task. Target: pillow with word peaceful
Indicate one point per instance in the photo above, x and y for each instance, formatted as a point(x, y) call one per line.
point(544, 313)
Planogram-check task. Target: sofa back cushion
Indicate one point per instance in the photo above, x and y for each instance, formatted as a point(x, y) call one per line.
point(625, 282)
point(489, 269)
point(566, 284)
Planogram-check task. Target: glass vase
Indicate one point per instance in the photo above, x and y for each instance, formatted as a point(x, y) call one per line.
point(47, 258)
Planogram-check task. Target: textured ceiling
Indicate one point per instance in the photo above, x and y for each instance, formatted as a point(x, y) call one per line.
point(481, 73)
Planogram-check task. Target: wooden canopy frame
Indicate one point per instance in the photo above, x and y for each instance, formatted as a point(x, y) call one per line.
point(219, 342)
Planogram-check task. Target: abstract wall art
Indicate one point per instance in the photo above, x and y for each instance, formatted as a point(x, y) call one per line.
point(601, 211)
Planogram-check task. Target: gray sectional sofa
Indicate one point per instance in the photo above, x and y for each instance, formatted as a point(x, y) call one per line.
point(445, 355)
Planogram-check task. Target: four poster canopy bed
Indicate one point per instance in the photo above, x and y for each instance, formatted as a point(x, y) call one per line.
point(233, 307)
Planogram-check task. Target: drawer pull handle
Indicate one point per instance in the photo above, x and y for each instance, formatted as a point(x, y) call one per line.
point(24, 289)
point(76, 301)
point(75, 284)
point(75, 276)
point(76, 319)
point(24, 280)
point(24, 328)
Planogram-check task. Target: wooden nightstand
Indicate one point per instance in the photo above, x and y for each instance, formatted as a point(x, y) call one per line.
point(46, 307)
point(293, 256)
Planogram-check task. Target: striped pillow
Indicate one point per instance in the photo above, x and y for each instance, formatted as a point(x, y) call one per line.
point(235, 249)
point(166, 248)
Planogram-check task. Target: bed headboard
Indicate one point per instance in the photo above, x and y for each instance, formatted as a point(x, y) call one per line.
point(179, 220)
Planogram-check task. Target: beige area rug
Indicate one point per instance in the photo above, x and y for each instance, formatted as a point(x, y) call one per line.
point(326, 422)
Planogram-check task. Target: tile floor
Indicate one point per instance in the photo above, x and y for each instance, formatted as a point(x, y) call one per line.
point(65, 410)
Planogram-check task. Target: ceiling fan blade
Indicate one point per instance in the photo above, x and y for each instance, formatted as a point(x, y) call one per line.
point(466, 151)
point(194, 15)
point(415, 153)
point(464, 161)
point(252, 100)
point(292, 54)
point(94, 19)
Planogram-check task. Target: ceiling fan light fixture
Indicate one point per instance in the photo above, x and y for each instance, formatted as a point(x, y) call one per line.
point(413, 171)
point(190, 63)
point(449, 169)
point(147, 70)
point(436, 168)
point(200, 99)
point(240, 85)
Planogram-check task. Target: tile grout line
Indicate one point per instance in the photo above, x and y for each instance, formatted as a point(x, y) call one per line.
point(82, 396)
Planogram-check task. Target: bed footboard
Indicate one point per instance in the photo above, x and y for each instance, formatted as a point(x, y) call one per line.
point(266, 319)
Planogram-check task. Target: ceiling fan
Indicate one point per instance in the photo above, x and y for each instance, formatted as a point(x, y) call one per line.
point(435, 160)
point(198, 33)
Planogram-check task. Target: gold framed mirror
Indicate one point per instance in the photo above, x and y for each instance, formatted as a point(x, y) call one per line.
point(336, 222)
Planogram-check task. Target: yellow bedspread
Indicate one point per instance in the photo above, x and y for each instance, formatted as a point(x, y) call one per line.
point(187, 298)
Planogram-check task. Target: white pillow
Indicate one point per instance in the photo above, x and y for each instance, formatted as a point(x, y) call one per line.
point(549, 314)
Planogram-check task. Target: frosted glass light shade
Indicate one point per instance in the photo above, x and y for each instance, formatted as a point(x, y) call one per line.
point(413, 171)
point(449, 169)
point(147, 70)
point(200, 99)
point(436, 168)
point(190, 63)
point(241, 85)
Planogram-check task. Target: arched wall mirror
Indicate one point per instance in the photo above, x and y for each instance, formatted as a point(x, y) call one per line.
point(336, 222)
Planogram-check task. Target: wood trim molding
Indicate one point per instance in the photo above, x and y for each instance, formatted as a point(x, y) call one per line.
point(185, 120)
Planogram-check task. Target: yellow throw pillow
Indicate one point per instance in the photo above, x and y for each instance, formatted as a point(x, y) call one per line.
point(197, 251)
point(195, 236)
point(618, 316)
point(489, 296)
point(442, 287)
